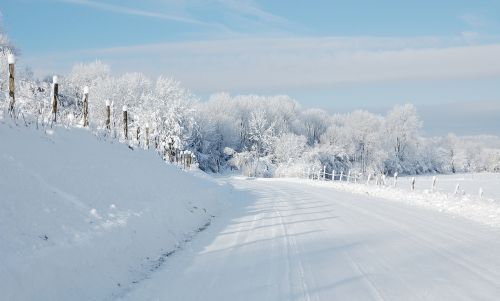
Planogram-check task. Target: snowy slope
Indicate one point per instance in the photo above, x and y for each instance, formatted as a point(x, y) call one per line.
point(309, 243)
point(84, 219)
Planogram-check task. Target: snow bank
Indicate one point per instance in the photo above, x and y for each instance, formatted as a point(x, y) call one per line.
point(483, 210)
point(84, 219)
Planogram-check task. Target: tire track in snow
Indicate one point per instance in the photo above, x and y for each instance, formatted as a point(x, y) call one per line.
point(370, 284)
point(288, 245)
point(241, 237)
point(291, 251)
point(420, 240)
point(376, 293)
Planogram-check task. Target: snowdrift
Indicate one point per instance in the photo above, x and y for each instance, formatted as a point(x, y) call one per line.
point(85, 219)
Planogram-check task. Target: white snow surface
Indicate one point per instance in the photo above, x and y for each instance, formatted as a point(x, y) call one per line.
point(485, 210)
point(470, 183)
point(85, 219)
point(292, 241)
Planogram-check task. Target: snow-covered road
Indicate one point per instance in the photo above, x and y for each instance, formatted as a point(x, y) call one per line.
point(299, 242)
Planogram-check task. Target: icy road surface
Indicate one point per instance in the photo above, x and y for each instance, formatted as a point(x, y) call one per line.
point(298, 242)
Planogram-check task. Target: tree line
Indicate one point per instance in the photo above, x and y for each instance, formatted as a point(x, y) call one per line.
point(257, 135)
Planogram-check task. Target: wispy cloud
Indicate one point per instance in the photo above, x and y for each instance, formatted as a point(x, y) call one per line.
point(474, 20)
point(250, 8)
point(248, 14)
point(289, 63)
point(137, 12)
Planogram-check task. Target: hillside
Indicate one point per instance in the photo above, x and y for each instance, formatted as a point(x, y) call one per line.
point(84, 219)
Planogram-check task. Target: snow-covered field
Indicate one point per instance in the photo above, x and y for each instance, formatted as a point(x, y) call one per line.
point(484, 210)
point(469, 184)
point(83, 219)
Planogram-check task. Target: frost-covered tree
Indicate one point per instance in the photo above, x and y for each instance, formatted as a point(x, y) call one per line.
point(401, 131)
point(257, 135)
point(5, 48)
point(170, 108)
point(261, 133)
point(289, 148)
point(314, 123)
point(96, 76)
point(363, 131)
point(450, 145)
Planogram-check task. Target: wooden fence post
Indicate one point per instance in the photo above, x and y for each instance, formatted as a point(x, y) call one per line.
point(433, 183)
point(413, 183)
point(184, 159)
point(138, 132)
point(108, 115)
point(147, 136)
point(85, 106)
point(125, 122)
point(55, 96)
point(171, 152)
point(191, 156)
point(11, 59)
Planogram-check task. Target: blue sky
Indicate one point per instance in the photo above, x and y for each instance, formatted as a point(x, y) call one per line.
point(444, 56)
